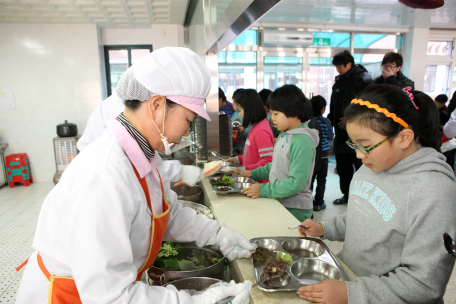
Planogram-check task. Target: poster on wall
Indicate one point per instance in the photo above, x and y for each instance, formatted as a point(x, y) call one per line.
point(7, 100)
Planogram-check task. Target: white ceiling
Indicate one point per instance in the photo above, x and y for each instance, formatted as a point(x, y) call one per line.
point(105, 13)
point(143, 13)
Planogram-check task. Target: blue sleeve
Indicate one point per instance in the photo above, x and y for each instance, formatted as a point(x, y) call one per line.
point(330, 128)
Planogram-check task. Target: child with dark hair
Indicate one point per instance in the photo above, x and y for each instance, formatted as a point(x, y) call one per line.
point(294, 155)
point(264, 94)
point(241, 131)
point(259, 145)
point(225, 105)
point(319, 107)
point(391, 72)
point(401, 202)
point(440, 101)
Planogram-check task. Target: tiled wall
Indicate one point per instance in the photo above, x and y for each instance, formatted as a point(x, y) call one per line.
point(56, 74)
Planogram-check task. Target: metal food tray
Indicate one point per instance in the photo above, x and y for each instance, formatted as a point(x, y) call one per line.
point(315, 263)
point(239, 184)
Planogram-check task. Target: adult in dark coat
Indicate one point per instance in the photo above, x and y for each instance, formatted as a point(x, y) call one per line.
point(391, 72)
point(351, 80)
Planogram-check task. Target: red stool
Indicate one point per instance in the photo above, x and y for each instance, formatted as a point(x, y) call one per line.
point(18, 169)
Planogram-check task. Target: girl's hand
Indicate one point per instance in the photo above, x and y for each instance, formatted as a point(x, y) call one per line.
point(240, 129)
point(236, 170)
point(230, 160)
point(328, 292)
point(252, 191)
point(315, 229)
point(246, 173)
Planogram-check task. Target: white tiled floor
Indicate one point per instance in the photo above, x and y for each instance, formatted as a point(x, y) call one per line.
point(20, 207)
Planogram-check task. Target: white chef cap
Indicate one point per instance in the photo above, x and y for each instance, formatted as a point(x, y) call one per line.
point(179, 74)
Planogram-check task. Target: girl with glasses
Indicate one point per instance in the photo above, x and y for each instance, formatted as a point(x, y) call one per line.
point(401, 203)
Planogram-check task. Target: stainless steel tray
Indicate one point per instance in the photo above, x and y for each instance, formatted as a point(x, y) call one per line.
point(314, 264)
point(239, 184)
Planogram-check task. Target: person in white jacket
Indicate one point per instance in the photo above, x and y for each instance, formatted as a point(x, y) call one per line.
point(111, 107)
point(102, 225)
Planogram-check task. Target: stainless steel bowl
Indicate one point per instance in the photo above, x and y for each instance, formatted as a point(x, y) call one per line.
point(303, 248)
point(268, 244)
point(196, 283)
point(283, 280)
point(200, 209)
point(240, 186)
point(242, 179)
point(187, 193)
point(311, 271)
point(158, 276)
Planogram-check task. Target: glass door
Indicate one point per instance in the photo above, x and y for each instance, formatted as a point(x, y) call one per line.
point(320, 76)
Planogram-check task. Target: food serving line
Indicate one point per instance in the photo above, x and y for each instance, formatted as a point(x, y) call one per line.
point(254, 218)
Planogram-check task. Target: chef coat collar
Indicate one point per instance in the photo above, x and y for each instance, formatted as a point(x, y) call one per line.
point(132, 148)
point(148, 152)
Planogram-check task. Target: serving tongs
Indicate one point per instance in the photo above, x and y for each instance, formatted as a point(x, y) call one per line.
point(215, 154)
point(450, 246)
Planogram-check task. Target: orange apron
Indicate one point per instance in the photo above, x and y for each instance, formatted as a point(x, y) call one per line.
point(63, 290)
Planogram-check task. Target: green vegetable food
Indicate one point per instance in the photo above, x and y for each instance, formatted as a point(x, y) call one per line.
point(286, 257)
point(172, 257)
point(222, 181)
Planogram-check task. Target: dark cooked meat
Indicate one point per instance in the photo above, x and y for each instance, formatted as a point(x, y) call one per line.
point(273, 267)
point(223, 188)
point(262, 254)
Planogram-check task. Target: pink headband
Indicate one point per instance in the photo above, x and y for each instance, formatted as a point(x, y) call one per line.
point(407, 90)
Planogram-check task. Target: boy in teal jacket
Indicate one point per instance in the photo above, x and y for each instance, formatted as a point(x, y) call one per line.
point(290, 172)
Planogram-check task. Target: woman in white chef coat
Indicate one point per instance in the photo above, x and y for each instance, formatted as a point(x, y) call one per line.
point(110, 108)
point(102, 225)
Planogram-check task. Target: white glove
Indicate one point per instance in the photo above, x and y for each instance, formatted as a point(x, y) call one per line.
point(191, 175)
point(223, 290)
point(233, 244)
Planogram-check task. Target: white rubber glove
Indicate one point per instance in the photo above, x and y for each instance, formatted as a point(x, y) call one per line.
point(223, 290)
point(191, 175)
point(233, 244)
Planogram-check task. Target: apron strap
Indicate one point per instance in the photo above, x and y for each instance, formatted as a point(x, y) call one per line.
point(18, 268)
point(143, 183)
point(42, 267)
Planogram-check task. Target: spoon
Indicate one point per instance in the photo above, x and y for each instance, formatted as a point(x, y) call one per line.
point(297, 226)
point(264, 280)
point(450, 246)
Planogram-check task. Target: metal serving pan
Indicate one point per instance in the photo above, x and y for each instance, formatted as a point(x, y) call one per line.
point(313, 262)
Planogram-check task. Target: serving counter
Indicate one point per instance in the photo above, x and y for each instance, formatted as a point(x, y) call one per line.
point(253, 218)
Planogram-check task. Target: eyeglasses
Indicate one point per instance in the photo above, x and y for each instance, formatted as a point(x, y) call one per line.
point(389, 66)
point(354, 146)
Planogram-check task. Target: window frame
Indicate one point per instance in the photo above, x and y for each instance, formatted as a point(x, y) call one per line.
point(108, 48)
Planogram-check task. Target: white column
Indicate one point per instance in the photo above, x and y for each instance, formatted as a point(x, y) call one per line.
point(414, 53)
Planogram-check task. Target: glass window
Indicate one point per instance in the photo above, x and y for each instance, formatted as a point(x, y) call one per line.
point(372, 63)
point(226, 57)
point(436, 80)
point(237, 70)
point(235, 77)
point(282, 60)
point(277, 76)
point(335, 39)
point(375, 41)
point(249, 37)
point(439, 48)
point(282, 70)
point(320, 81)
point(119, 59)
point(454, 83)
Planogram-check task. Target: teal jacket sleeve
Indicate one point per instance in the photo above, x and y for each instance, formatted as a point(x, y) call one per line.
point(301, 153)
point(262, 172)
